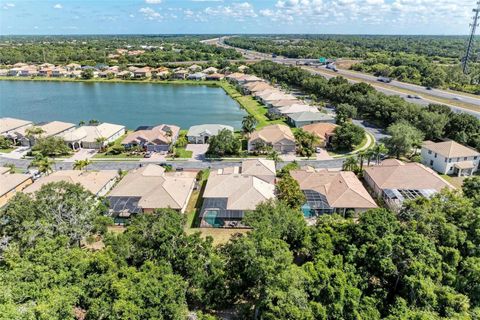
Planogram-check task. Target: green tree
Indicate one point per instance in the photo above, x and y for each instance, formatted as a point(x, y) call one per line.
point(87, 74)
point(345, 112)
point(350, 164)
point(224, 144)
point(347, 136)
point(288, 190)
point(306, 143)
point(81, 164)
point(471, 189)
point(51, 147)
point(249, 123)
point(5, 143)
point(42, 163)
point(403, 139)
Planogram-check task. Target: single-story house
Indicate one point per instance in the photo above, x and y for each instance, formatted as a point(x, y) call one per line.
point(210, 70)
point(215, 77)
point(73, 66)
point(195, 68)
point(285, 103)
point(49, 129)
point(180, 74)
point(197, 76)
point(97, 182)
point(45, 72)
point(94, 137)
point(142, 72)
point(148, 188)
point(10, 126)
point(256, 86)
point(450, 157)
point(29, 71)
point(13, 72)
point(230, 192)
point(323, 130)
point(294, 108)
point(234, 77)
point(124, 74)
point(395, 181)
point(329, 192)
point(157, 138)
point(202, 133)
point(59, 72)
point(46, 65)
point(301, 119)
point(279, 136)
point(10, 184)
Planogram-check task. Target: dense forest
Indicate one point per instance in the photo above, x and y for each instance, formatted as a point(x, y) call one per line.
point(435, 121)
point(92, 50)
point(426, 60)
point(422, 263)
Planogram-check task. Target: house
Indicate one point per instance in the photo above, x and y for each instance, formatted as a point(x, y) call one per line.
point(276, 96)
point(124, 74)
point(395, 181)
point(284, 103)
point(232, 191)
point(294, 108)
point(73, 66)
point(49, 129)
point(3, 72)
point(329, 192)
point(450, 157)
point(234, 77)
point(97, 182)
point(301, 119)
point(246, 78)
point(142, 72)
point(203, 133)
point(158, 138)
point(180, 74)
point(279, 136)
point(59, 72)
point(210, 70)
point(45, 72)
point(9, 127)
point(94, 137)
point(28, 71)
point(197, 76)
point(215, 77)
point(10, 184)
point(148, 188)
point(256, 86)
point(74, 74)
point(46, 65)
point(160, 73)
point(323, 130)
point(195, 68)
point(13, 72)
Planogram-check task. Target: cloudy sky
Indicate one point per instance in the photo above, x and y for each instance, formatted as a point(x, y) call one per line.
point(230, 16)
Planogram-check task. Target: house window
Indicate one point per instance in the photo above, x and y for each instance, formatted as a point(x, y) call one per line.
point(465, 159)
point(431, 162)
point(450, 160)
point(475, 158)
point(429, 151)
point(446, 160)
point(435, 155)
point(458, 159)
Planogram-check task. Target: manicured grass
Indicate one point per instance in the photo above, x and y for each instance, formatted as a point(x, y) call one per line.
point(251, 105)
point(182, 153)
point(116, 156)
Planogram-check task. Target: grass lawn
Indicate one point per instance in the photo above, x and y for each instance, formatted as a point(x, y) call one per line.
point(457, 182)
point(251, 105)
point(123, 155)
point(183, 153)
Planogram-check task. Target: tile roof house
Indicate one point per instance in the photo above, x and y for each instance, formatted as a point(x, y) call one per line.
point(10, 126)
point(214, 77)
point(300, 119)
point(10, 184)
point(197, 76)
point(279, 136)
point(180, 74)
point(202, 133)
point(295, 108)
point(323, 130)
point(395, 181)
point(328, 192)
point(450, 157)
point(158, 138)
point(89, 137)
point(210, 70)
point(285, 103)
point(232, 191)
point(150, 187)
point(256, 86)
point(97, 182)
point(144, 72)
point(195, 68)
point(50, 129)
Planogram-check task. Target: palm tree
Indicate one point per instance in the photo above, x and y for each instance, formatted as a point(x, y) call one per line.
point(379, 150)
point(43, 164)
point(350, 164)
point(81, 123)
point(81, 164)
point(101, 142)
point(249, 123)
point(33, 132)
point(274, 155)
point(361, 156)
point(369, 154)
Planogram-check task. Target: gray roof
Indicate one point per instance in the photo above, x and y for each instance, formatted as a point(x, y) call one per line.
point(310, 116)
point(211, 129)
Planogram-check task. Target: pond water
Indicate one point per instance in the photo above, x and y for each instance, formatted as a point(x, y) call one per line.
point(130, 104)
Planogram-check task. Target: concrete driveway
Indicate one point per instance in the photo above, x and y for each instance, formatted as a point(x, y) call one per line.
point(198, 151)
point(83, 154)
point(17, 153)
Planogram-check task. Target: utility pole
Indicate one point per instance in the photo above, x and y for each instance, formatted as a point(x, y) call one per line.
point(471, 39)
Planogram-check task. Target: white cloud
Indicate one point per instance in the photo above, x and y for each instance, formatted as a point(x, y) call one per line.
point(8, 5)
point(58, 6)
point(153, 1)
point(150, 14)
point(238, 11)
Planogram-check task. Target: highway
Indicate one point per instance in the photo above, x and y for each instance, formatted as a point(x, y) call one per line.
point(457, 101)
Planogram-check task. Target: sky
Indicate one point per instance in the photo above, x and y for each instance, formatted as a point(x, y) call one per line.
point(38, 17)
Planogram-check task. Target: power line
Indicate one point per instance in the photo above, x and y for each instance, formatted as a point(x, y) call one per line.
point(471, 39)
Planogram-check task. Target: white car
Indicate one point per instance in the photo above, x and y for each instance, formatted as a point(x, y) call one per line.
point(318, 149)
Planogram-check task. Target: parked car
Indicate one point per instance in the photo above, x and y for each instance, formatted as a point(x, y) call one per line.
point(318, 150)
point(148, 154)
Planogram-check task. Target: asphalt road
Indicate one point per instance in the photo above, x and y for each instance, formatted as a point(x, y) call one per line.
point(391, 88)
point(128, 165)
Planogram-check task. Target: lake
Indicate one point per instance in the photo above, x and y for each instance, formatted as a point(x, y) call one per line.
point(130, 104)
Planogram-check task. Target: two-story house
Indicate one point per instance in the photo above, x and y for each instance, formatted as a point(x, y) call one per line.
point(450, 157)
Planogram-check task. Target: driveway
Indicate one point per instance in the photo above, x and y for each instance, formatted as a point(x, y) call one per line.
point(323, 155)
point(378, 133)
point(82, 154)
point(156, 157)
point(17, 153)
point(198, 151)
